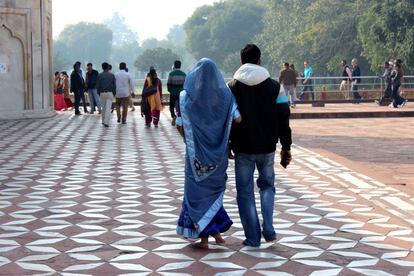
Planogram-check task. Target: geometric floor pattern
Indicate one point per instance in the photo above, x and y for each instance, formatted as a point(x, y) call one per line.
point(80, 199)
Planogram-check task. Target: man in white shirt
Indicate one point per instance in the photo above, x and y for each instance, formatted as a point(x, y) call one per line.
point(124, 88)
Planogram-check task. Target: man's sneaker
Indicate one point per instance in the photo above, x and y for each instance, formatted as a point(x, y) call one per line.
point(119, 120)
point(377, 102)
point(404, 103)
point(133, 109)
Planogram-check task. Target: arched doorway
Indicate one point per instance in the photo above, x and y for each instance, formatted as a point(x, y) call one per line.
point(11, 72)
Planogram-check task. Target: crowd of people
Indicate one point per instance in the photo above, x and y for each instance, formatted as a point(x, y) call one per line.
point(392, 76)
point(243, 119)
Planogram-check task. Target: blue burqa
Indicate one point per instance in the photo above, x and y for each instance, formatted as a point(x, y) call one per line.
point(206, 107)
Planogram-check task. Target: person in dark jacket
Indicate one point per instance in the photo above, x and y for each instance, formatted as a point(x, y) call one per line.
point(356, 80)
point(77, 87)
point(265, 121)
point(386, 76)
point(90, 86)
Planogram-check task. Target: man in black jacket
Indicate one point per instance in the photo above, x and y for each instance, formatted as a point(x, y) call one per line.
point(254, 142)
point(77, 87)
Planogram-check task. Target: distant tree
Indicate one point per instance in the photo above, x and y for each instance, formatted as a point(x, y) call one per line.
point(150, 43)
point(220, 30)
point(86, 42)
point(125, 45)
point(122, 34)
point(176, 36)
point(232, 62)
point(61, 61)
point(283, 21)
point(329, 33)
point(386, 32)
point(161, 58)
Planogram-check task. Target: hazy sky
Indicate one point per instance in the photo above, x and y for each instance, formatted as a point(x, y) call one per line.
point(150, 18)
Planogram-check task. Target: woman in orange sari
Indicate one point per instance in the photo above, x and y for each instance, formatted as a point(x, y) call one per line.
point(151, 99)
point(65, 88)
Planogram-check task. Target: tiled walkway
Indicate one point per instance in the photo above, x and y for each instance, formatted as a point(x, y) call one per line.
point(79, 199)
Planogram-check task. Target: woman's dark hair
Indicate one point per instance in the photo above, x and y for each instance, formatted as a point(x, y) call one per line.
point(56, 73)
point(250, 54)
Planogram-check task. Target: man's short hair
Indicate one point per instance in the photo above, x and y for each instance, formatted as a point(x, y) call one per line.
point(250, 54)
point(109, 66)
point(78, 63)
point(56, 73)
point(89, 64)
point(122, 66)
point(286, 64)
point(105, 66)
point(177, 64)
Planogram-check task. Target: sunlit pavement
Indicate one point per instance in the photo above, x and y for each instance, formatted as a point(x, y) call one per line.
point(80, 199)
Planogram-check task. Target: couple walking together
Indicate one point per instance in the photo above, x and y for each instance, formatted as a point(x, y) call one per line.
point(247, 116)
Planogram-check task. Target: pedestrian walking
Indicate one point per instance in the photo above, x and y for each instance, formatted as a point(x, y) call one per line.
point(58, 93)
point(307, 81)
point(356, 80)
point(254, 142)
point(207, 110)
point(346, 78)
point(124, 88)
point(175, 85)
point(151, 99)
point(77, 87)
point(287, 78)
point(90, 84)
point(106, 87)
point(65, 89)
point(386, 76)
point(397, 77)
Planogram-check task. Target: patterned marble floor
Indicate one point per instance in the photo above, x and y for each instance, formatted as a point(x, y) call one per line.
point(80, 199)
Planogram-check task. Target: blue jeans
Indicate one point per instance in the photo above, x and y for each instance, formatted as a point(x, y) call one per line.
point(354, 89)
point(244, 166)
point(94, 100)
point(307, 87)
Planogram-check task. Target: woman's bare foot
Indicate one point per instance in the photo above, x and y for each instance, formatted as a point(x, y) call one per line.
point(218, 238)
point(203, 244)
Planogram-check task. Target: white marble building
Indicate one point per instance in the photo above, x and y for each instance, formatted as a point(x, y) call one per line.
point(26, 59)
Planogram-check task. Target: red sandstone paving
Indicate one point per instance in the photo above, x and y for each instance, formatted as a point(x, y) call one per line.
point(351, 142)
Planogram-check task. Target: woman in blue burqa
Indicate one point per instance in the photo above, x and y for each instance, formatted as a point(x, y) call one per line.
point(207, 110)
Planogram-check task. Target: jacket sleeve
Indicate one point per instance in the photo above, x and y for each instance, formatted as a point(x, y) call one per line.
point(72, 83)
point(169, 83)
point(283, 127)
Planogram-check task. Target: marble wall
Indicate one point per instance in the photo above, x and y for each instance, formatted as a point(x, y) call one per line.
point(26, 59)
